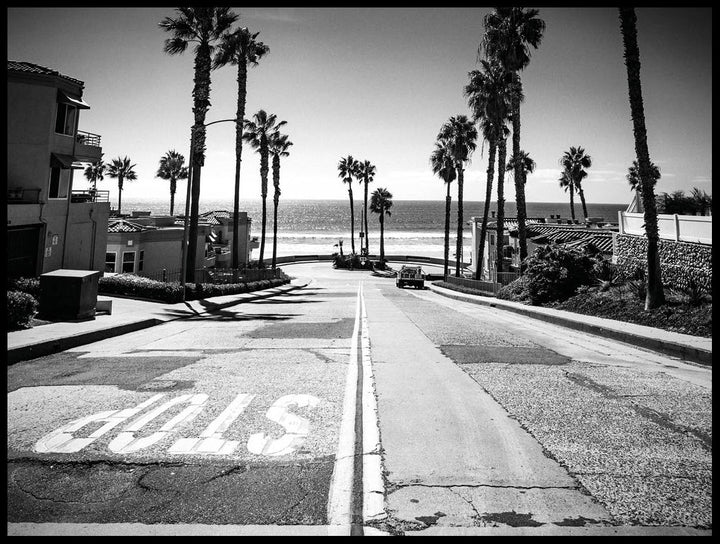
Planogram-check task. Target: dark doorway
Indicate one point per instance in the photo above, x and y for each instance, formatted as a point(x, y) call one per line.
point(22, 251)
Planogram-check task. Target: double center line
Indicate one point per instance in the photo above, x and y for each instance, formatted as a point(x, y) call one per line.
point(357, 492)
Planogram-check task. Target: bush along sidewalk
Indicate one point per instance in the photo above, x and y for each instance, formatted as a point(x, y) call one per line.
point(136, 286)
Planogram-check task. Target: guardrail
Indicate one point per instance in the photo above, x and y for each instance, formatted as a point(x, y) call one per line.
point(88, 138)
point(90, 196)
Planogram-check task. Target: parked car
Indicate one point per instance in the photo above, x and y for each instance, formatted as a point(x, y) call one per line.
point(410, 275)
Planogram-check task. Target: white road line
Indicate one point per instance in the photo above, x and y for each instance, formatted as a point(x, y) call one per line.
point(373, 483)
point(339, 513)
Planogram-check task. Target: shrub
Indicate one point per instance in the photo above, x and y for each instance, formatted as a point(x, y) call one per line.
point(31, 286)
point(517, 290)
point(21, 308)
point(554, 273)
point(694, 294)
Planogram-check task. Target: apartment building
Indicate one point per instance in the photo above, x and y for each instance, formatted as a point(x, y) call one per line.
point(50, 224)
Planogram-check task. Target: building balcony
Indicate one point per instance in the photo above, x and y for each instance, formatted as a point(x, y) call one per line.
point(90, 196)
point(87, 147)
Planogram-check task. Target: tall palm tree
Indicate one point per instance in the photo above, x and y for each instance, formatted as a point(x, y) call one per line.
point(367, 174)
point(575, 161)
point(567, 184)
point(94, 173)
point(242, 49)
point(347, 169)
point(489, 97)
point(460, 135)
point(172, 167)
point(509, 34)
point(628, 26)
point(202, 26)
point(381, 203)
point(121, 169)
point(257, 132)
point(443, 165)
point(278, 144)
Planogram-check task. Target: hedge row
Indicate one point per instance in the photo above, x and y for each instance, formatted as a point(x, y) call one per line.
point(136, 286)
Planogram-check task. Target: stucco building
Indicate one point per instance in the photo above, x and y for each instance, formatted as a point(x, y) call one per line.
point(50, 224)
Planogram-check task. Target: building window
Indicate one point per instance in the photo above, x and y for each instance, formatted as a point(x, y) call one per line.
point(65, 121)
point(128, 264)
point(110, 258)
point(141, 261)
point(59, 183)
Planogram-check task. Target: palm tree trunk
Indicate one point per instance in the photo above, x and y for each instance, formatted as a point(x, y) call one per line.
point(655, 296)
point(201, 103)
point(486, 212)
point(382, 234)
point(352, 219)
point(582, 200)
point(276, 201)
point(120, 186)
point(448, 200)
point(365, 219)
point(519, 179)
point(571, 190)
point(242, 96)
point(458, 245)
point(173, 188)
point(502, 153)
point(263, 194)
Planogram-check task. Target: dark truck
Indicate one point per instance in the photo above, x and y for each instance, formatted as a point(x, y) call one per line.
point(410, 275)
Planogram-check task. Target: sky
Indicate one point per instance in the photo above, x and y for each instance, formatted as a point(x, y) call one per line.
point(377, 84)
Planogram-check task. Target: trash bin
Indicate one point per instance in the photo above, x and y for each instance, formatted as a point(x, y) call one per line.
point(68, 294)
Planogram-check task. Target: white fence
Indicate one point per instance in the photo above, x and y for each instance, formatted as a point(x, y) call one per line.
point(681, 228)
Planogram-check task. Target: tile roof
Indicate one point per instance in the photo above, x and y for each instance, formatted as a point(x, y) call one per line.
point(576, 237)
point(213, 217)
point(28, 67)
point(122, 225)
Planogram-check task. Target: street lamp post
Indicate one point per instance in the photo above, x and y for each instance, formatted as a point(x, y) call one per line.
point(184, 264)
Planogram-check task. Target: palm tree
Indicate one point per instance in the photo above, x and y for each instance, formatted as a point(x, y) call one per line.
point(380, 203)
point(257, 134)
point(509, 34)
point(367, 174)
point(347, 169)
point(278, 144)
point(203, 26)
point(121, 169)
point(460, 135)
point(567, 184)
point(172, 167)
point(94, 173)
point(489, 98)
point(655, 296)
point(633, 176)
point(500, 226)
point(575, 161)
point(442, 165)
point(240, 48)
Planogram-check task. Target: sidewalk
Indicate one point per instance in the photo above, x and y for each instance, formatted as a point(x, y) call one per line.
point(127, 315)
point(690, 348)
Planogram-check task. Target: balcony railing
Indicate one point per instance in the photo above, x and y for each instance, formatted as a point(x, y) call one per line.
point(90, 196)
point(88, 138)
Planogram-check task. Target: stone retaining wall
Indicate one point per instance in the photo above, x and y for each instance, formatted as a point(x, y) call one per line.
point(681, 262)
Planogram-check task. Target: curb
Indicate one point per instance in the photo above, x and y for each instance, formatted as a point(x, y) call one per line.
point(49, 347)
point(666, 347)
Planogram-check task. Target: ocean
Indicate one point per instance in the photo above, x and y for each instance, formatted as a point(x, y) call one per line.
point(415, 227)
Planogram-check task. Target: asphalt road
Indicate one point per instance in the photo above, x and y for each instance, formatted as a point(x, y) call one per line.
point(488, 421)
